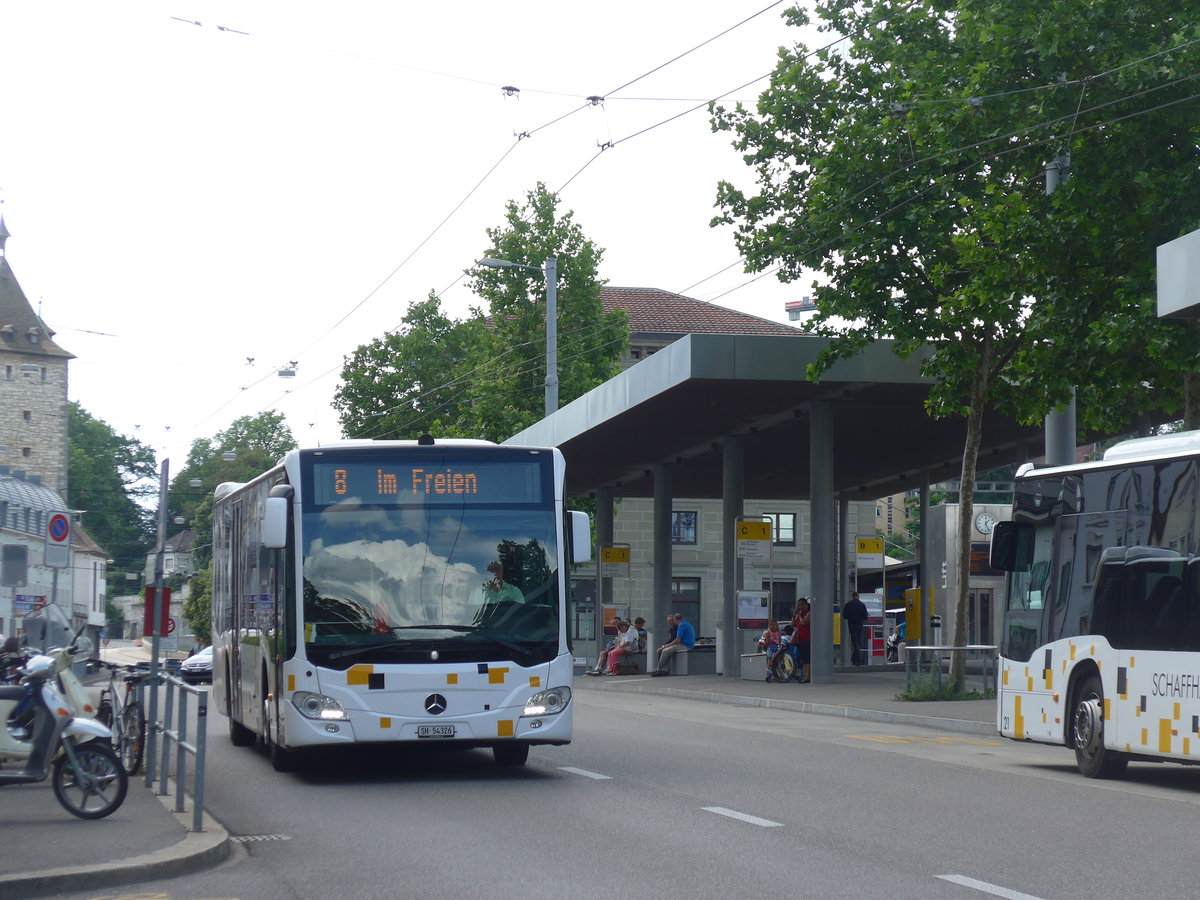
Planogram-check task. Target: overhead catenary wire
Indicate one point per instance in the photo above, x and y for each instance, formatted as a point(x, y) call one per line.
point(597, 155)
point(520, 137)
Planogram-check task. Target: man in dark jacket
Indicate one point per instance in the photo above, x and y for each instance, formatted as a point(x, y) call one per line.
point(855, 614)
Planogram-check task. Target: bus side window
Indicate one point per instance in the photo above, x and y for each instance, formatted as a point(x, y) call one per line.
point(1106, 603)
point(1012, 547)
point(1191, 594)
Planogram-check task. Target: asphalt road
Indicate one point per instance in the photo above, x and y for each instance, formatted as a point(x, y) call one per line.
point(662, 797)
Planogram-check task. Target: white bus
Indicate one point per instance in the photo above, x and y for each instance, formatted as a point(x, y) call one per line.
point(1101, 643)
point(396, 591)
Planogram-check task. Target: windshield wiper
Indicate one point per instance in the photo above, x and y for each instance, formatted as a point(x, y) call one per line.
point(475, 630)
point(461, 629)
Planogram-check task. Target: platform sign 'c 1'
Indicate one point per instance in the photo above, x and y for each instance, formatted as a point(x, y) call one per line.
point(753, 539)
point(57, 552)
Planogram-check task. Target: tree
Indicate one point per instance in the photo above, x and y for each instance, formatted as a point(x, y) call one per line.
point(904, 165)
point(107, 474)
point(482, 377)
point(197, 608)
point(415, 380)
point(253, 445)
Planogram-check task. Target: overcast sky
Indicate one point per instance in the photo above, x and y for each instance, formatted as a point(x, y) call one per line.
point(184, 198)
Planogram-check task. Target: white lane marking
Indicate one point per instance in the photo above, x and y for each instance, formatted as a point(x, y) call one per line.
point(742, 817)
point(585, 773)
point(994, 889)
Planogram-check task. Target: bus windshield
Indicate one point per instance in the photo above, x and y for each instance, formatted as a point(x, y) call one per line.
point(428, 582)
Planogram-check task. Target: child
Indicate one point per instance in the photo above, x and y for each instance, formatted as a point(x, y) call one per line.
point(770, 643)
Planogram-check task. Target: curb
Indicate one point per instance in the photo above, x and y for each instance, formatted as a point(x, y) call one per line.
point(961, 726)
point(198, 850)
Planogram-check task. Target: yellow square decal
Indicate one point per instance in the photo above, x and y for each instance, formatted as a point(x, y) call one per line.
point(291, 684)
point(359, 675)
point(504, 728)
point(496, 676)
point(535, 680)
point(451, 678)
point(385, 722)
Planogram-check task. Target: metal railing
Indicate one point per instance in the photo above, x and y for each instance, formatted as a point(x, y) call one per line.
point(928, 659)
point(177, 737)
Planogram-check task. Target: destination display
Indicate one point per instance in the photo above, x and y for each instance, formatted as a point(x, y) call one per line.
point(428, 481)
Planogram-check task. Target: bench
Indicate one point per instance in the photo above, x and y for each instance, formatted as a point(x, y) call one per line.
point(754, 666)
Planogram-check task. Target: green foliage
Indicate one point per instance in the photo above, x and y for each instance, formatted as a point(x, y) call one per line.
point(113, 615)
point(483, 377)
point(905, 166)
point(256, 443)
point(929, 686)
point(107, 474)
point(197, 609)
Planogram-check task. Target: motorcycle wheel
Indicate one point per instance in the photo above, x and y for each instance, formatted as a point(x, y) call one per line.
point(94, 785)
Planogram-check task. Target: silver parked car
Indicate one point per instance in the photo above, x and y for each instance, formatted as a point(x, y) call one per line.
point(198, 668)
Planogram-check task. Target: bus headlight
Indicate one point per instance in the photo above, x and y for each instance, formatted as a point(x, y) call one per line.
point(318, 706)
point(547, 702)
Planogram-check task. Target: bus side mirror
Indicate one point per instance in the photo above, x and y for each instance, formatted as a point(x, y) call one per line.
point(581, 536)
point(1012, 547)
point(274, 526)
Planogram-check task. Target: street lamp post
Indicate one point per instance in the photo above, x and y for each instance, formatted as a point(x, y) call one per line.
point(550, 272)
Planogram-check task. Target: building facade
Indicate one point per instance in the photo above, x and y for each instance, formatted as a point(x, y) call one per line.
point(33, 470)
point(657, 318)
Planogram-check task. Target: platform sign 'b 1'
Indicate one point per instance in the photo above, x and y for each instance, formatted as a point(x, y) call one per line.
point(58, 541)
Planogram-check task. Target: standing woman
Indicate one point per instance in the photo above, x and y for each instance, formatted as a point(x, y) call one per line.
point(802, 637)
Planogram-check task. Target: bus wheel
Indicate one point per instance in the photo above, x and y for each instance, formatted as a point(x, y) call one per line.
point(510, 754)
point(239, 734)
point(1091, 756)
point(281, 759)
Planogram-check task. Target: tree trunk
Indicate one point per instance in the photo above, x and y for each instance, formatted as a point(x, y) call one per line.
point(966, 500)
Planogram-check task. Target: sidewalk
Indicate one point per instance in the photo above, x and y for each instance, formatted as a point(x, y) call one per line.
point(145, 840)
point(48, 851)
point(866, 693)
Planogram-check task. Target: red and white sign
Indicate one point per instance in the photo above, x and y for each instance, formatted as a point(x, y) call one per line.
point(57, 552)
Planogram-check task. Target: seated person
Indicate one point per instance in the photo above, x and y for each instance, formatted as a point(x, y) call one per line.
point(602, 660)
point(770, 642)
point(627, 642)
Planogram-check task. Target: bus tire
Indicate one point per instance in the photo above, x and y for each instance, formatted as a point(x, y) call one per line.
point(281, 760)
point(1087, 733)
point(239, 734)
point(513, 754)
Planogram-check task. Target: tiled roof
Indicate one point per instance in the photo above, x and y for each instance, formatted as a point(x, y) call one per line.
point(182, 542)
point(658, 312)
point(18, 319)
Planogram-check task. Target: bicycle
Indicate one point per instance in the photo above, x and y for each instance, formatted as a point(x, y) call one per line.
point(129, 726)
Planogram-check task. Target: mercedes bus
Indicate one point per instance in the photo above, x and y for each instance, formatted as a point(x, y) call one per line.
point(396, 591)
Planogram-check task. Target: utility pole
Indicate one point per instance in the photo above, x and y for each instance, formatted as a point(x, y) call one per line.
point(157, 624)
point(551, 273)
point(1060, 423)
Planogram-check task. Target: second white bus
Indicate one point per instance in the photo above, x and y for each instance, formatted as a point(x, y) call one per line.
point(1101, 643)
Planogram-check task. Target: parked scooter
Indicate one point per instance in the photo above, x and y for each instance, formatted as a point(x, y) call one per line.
point(78, 699)
point(88, 779)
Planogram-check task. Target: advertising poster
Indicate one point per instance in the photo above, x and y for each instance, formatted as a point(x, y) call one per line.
point(753, 610)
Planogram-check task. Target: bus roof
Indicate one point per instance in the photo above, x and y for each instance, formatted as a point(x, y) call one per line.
point(1147, 449)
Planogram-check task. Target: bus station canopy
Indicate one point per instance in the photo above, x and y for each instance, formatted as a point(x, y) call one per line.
point(677, 406)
